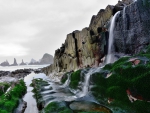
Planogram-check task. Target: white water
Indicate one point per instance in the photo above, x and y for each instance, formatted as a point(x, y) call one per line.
point(124, 12)
point(85, 89)
point(110, 57)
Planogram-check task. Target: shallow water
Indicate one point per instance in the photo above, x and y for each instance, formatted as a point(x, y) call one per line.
point(31, 102)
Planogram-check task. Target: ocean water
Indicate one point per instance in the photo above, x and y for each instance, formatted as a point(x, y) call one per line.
point(13, 68)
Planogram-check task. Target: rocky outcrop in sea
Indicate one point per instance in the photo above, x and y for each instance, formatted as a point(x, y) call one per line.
point(5, 63)
point(46, 59)
point(22, 63)
point(15, 63)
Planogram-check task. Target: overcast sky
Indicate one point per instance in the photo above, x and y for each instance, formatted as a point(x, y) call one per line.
point(30, 28)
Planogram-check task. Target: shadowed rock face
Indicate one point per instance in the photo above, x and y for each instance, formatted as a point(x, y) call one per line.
point(87, 47)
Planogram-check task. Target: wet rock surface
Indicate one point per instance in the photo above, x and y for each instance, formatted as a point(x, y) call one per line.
point(88, 106)
point(53, 97)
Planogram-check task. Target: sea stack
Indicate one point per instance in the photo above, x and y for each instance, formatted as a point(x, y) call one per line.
point(15, 63)
point(22, 63)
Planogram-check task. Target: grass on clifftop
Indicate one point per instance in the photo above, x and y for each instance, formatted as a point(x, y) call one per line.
point(9, 101)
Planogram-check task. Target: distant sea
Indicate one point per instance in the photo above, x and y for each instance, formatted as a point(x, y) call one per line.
point(13, 68)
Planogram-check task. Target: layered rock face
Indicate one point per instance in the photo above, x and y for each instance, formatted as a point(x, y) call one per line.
point(83, 48)
point(87, 48)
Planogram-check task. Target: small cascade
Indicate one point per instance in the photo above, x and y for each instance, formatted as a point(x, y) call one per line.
point(124, 12)
point(85, 89)
point(67, 81)
point(110, 57)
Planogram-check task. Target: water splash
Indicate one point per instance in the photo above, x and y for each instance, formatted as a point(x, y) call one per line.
point(110, 57)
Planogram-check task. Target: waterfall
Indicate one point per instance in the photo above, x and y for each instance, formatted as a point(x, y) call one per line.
point(110, 56)
point(67, 81)
point(124, 12)
point(85, 89)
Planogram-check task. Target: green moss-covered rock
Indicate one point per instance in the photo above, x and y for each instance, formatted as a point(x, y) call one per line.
point(10, 100)
point(57, 107)
point(3, 87)
point(124, 76)
point(64, 78)
point(75, 79)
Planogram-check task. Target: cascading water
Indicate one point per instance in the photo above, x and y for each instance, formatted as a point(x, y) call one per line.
point(85, 89)
point(67, 81)
point(110, 56)
point(124, 12)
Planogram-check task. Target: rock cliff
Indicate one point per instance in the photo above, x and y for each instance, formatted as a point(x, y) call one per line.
point(88, 47)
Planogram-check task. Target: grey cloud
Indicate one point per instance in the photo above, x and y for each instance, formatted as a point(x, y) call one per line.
point(41, 26)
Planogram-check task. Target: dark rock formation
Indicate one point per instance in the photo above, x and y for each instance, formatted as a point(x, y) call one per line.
point(22, 63)
point(15, 63)
point(46, 59)
point(4, 73)
point(132, 31)
point(5, 63)
point(20, 73)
